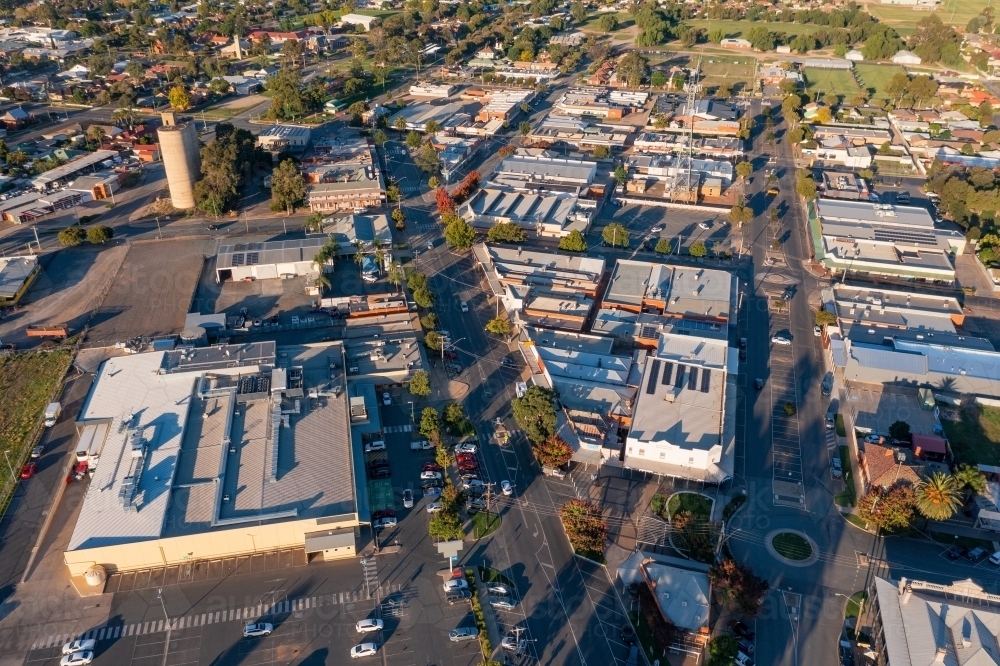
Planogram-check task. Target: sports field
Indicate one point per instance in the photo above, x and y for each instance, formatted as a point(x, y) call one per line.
point(735, 28)
point(874, 77)
point(904, 19)
point(735, 70)
point(825, 81)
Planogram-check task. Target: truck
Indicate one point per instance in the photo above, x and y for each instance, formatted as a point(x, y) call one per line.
point(52, 412)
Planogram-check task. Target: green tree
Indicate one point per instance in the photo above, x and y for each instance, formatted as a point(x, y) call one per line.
point(938, 496)
point(535, 413)
point(607, 23)
point(427, 159)
point(100, 234)
point(413, 139)
point(900, 430)
point(698, 249)
point(179, 98)
point(740, 214)
point(662, 246)
point(744, 169)
point(584, 525)
point(578, 11)
point(824, 317)
point(506, 232)
point(573, 242)
point(524, 128)
point(425, 299)
point(446, 525)
point(380, 137)
point(615, 235)
point(722, 651)
point(72, 236)
point(498, 326)
point(420, 384)
point(969, 477)
point(399, 216)
point(601, 152)
point(658, 79)
point(288, 187)
point(620, 174)
point(805, 186)
point(430, 424)
point(459, 234)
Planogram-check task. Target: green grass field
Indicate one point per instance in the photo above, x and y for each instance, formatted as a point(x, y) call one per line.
point(875, 77)
point(904, 19)
point(732, 70)
point(976, 437)
point(625, 21)
point(736, 28)
point(826, 81)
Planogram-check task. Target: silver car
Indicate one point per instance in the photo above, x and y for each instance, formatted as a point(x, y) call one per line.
point(79, 646)
point(463, 634)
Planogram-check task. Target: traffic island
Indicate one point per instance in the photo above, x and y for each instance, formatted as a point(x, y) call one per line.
point(792, 547)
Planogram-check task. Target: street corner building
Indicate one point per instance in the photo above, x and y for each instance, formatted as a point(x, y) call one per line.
point(218, 451)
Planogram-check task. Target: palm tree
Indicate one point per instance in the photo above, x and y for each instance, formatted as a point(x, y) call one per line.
point(321, 258)
point(322, 282)
point(379, 247)
point(359, 251)
point(938, 497)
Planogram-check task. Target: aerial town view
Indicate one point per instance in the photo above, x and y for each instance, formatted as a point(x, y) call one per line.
point(541, 332)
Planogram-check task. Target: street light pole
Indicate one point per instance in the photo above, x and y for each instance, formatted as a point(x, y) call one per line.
point(9, 466)
point(166, 645)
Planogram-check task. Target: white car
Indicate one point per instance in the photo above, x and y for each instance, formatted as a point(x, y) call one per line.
point(364, 626)
point(433, 507)
point(507, 488)
point(703, 225)
point(407, 499)
point(430, 475)
point(497, 588)
point(511, 643)
point(430, 245)
point(780, 340)
point(464, 306)
point(77, 659)
point(79, 646)
point(386, 399)
point(657, 228)
point(817, 331)
point(388, 521)
point(363, 650)
point(465, 448)
point(257, 629)
point(375, 446)
point(455, 584)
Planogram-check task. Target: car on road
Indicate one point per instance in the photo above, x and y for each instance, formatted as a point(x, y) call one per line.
point(817, 331)
point(465, 448)
point(363, 650)
point(432, 492)
point(704, 225)
point(508, 362)
point(430, 245)
point(407, 499)
point(430, 476)
point(464, 306)
point(456, 584)
point(457, 595)
point(386, 399)
point(742, 630)
point(955, 552)
point(79, 646)
point(37, 452)
point(758, 383)
point(506, 488)
point(433, 507)
point(77, 659)
point(364, 626)
point(773, 192)
point(836, 469)
point(657, 228)
point(421, 445)
point(255, 629)
point(28, 470)
point(463, 634)
point(781, 340)
point(375, 446)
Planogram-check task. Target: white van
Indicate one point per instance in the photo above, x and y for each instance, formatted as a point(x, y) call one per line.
point(995, 559)
point(52, 412)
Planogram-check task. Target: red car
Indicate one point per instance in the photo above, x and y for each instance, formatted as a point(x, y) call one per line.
point(431, 467)
point(383, 513)
point(28, 470)
point(465, 456)
point(467, 467)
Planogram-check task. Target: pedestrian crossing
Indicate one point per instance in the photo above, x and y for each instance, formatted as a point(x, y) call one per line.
point(400, 428)
point(248, 613)
point(831, 440)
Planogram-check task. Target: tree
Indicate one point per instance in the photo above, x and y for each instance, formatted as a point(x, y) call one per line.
point(620, 174)
point(737, 587)
point(824, 115)
point(662, 246)
point(420, 384)
point(400, 124)
point(632, 69)
point(698, 249)
point(413, 139)
point(584, 525)
point(445, 204)
point(740, 214)
point(552, 452)
point(900, 430)
point(430, 424)
point(433, 182)
point(100, 234)
point(824, 317)
point(970, 478)
point(380, 137)
point(432, 127)
point(578, 12)
point(72, 236)
point(890, 509)
point(524, 128)
point(573, 242)
point(179, 98)
point(459, 234)
point(601, 152)
point(805, 186)
point(498, 326)
point(506, 232)
point(425, 299)
point(615, 235)
point(400, 217)
point(446, 525)
point(535, 413)
point(607, 23)
point(456, 422)
point(427, 159)
point(288, 187)
point(722, 650)
point(938, 496)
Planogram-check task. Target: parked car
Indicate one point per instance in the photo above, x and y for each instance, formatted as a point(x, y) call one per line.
point(506, 488)
point(628, 634)
point(375, 446)
point(745, 645)
point(758, 383)
point(363, 650)
point(781, 340)
point(457, 595)
point(434, 483)
point(79, 646)
point(433, 507)
point(956, 552)
point(28, 470)
point(817, 331)
point(421, 445)
point(382, 513)
point(836, 469)
point(508, 362)
point(743, 659)
point(37, 451)
point(407, 499)
point(513, 644)
point(456, 584)
point(503, 603)
point(379, 471)
point(433, 493)
point(386, 399)
point(430, 467)
point(430, 475)
point(364, 626)
point(256, 629)
point(977, 554)
point(465, 448)
point(473, 485)
point(468, 467)
point(704, 225)
point(464, 306)
point(498, 588)
point(463, 634)
point(77, 659)
point(742, 630)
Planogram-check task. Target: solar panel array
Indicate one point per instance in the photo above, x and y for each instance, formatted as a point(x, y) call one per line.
point(668, 372)
point(654, 373)
point(693, 379)
point(706, 380)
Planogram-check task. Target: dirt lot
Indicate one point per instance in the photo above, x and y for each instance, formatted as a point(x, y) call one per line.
point(151, 292)
point(69, 287)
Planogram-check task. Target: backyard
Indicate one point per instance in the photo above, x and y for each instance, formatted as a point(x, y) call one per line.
point(875, 77)
point(27, 382)
point(825, 81)
point(975, 437)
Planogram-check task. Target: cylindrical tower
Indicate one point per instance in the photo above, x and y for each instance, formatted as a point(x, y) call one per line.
point(181, 159)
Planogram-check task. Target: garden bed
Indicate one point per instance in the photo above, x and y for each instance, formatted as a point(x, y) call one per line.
point(792, 546)
point(484, 524)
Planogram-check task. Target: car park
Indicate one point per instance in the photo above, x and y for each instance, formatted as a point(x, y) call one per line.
point(506, 488)
point(463, 634)
point(456, 584)
point(79, 646)
point(375, 446)
point(77, 659)
point(407, 499)
point(364, 626)
point(363, 650)
point(256, 629)
point(433, 507)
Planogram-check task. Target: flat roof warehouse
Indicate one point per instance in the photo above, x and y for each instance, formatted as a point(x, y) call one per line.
point(215, 451)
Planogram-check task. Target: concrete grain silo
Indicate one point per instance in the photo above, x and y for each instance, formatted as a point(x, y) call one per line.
point(181, 159)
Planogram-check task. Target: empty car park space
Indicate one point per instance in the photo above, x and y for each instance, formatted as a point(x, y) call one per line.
point(674, 224)
point(874, 411)
point(786, 449)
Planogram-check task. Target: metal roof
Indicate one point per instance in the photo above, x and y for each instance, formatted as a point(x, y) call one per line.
point(70, 168)
point(13, 272)
point(886, 358)
point(681, 594)
point(274, 252)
